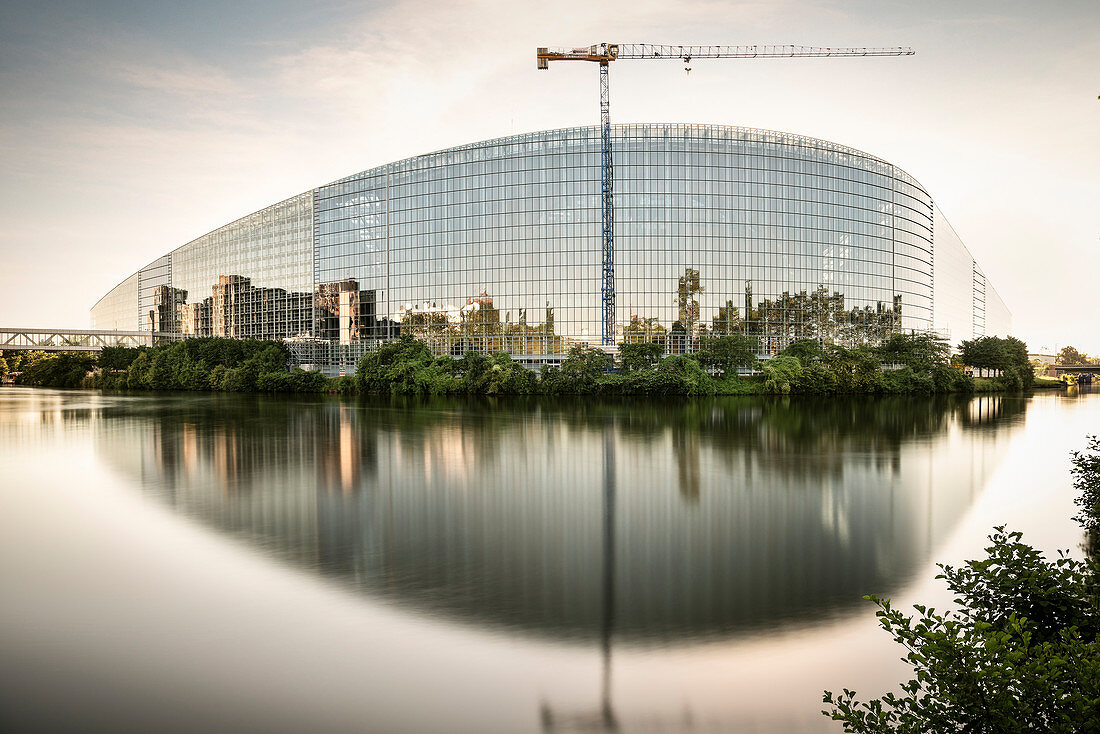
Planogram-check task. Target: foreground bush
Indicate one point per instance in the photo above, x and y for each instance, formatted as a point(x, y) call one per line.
point(1020, 654)
point(1086, 480)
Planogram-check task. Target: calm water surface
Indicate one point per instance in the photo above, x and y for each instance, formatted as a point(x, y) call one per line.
point(228, 563)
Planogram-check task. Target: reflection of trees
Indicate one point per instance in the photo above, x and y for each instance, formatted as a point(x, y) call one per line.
point(729, 513)
point(478, 327)
point(775, 322)
point(774, 429)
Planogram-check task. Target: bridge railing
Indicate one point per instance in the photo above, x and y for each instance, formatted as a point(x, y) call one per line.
point(78, 340)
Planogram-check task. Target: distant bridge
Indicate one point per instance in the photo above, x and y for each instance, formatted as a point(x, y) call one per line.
point(78, 340)
point(1066, 369)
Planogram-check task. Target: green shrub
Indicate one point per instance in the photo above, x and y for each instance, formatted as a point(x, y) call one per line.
point(816, 379)
point(345, 385)
point(579, 373)
point(1021, 653)
point(689, 375)
point(780, 373)
point(724, 354)
point(644, 356)
point(806, 351)
point(59, 369)
point(392, 367)
point(1086, 480)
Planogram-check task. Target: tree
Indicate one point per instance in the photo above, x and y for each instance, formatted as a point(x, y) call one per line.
point(578, 373)
point(727, 353)
point(1008, 354)
point(62, 369)
point(393, 367)
point(920, 352)
point(780, 372)
point(1018, 367)
point(985, 352)
point(117, 358)
point(806, 351)
point(1020, 654)
point(640, 356)
point(1069, 355)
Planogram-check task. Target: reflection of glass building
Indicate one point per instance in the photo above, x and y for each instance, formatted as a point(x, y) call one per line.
point(723, 517)
point(496, 246)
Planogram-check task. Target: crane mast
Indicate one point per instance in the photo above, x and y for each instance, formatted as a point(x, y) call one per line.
point(603, 54)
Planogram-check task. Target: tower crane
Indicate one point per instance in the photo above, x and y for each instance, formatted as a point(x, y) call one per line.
point(603, 54)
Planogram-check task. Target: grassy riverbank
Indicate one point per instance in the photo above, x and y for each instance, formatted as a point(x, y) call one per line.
point(915, 364)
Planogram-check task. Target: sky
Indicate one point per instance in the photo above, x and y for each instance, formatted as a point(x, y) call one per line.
point(128, 128)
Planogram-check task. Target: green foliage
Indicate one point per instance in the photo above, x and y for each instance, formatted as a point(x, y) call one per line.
point(806, 351)
point(1086, 480)
point(985, 352)
point(1016, 351)
point(643, 356)
point(1070, 356)
point(498, 374)
point(117, 358)
point(906, 381)
point(59, 369)
point(725, 354)
point(579, 373)
point(947, 378)
point(918, 352)
point(1021, 653)
point(211, 363)
point(15, 359)
point(857, 370)
point(295, 381)
point(1008, 355)
point(780, 372)
point(407, 366)
point(393, 366)
point(345, 385)
point(816, 379)
point(687, 374)
point(3, 367)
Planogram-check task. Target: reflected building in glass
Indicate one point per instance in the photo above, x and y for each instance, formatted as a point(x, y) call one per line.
point(495, 246)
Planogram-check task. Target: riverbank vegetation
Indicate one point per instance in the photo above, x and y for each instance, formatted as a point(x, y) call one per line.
point(723, 365)
point(919, 364)
point(231, 365)
point(1020, 653)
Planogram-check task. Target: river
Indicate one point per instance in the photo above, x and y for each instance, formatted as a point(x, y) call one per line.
point(182, 562)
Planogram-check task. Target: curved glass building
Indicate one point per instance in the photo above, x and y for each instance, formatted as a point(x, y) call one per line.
point(495, 246)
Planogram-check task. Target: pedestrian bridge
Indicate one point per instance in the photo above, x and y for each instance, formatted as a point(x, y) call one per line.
point(78, 340)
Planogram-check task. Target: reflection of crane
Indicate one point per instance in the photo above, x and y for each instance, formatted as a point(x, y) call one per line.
point(604, 719)
point(605, 53)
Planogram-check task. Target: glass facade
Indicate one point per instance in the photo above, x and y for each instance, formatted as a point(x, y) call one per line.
point(119, 308)
point(495, 246)
point(966, 305)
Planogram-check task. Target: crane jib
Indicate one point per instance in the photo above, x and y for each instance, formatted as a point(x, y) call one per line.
point(603, 54)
